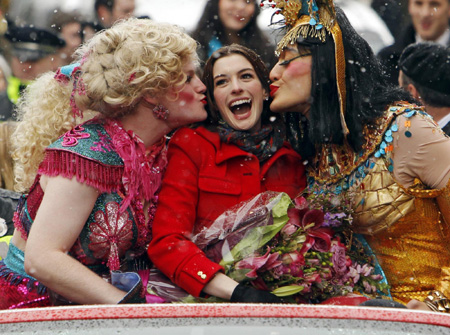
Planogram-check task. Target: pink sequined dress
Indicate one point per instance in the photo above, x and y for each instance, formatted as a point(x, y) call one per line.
point(99, 153)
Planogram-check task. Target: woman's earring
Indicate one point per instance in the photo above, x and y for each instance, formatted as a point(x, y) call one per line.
point(161, 112)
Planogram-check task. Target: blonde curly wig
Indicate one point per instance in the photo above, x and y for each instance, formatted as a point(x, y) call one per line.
point(118, 66)
point(134, 57)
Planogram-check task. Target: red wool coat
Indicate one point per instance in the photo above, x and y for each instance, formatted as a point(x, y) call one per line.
point(205, 177)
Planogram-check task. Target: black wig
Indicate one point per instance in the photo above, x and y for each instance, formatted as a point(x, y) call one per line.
point(368, 92)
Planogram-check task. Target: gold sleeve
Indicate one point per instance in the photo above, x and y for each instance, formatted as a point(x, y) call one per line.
point(443, 201)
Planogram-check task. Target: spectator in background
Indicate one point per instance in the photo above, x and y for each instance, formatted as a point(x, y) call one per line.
point(8, 198)
point(224, 22)
point(5, 69)
point(425, 73)
point(109, 11)
point(430, 22)
point(32, 12)
point(88, 30)
point(69, 26)
point(33, 52)
point(392, 12)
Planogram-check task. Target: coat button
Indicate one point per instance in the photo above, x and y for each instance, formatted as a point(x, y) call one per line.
point(201, 274)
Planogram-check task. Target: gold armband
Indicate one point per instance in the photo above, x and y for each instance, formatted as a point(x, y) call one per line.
point(437, 302)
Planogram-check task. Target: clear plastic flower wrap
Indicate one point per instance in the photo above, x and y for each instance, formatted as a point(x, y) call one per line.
point(300, 249)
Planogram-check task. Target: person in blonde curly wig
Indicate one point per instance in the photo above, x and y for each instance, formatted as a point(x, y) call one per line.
point(92, 201)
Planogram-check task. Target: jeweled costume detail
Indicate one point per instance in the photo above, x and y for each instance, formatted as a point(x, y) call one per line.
point(101, 154)
point(402, 224)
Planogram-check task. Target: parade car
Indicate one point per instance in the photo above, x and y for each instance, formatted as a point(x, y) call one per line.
point(222, 319)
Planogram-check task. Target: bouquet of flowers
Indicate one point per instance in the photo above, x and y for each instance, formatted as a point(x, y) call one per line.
point(301, 249)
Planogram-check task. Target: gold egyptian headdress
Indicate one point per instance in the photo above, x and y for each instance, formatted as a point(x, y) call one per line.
point(313, 18)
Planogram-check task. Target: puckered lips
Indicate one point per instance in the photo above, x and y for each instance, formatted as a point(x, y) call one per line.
point(241, 108)
point(273, 90)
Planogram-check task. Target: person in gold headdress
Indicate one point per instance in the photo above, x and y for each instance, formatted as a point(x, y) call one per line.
point(366, 141)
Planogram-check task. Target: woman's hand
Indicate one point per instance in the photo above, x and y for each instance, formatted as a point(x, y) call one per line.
point(418, 305)
point(221, 286)
point(63, 212)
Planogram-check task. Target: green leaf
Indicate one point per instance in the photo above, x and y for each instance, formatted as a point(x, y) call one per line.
point(238, 274)
point(259, 236)
point(286, 291)
point(280, 209)
point(256, 238)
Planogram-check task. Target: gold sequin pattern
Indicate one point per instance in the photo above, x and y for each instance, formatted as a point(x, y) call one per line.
point(381, 202)
point(406, 231)
point(413, 251)
point(404, 226)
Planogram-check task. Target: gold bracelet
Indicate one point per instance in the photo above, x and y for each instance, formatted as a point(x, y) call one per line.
point(437, 302)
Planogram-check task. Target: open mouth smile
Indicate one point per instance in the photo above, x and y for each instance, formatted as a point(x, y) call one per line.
point(241, 108)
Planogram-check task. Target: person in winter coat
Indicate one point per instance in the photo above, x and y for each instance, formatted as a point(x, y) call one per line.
point(238, 155)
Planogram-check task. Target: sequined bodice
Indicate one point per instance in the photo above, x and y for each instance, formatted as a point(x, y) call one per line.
point(110, 236)
point(402, 225)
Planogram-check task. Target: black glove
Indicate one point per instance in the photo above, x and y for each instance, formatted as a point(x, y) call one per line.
point(249, 294)
point(129, 282)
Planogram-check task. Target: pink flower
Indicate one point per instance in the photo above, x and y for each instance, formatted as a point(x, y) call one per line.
point(376, 277)
point(348, 262)
point(261, 263)
point(288, 230)
point(322, 238)
point(301, 203)
point(307, 245)
point(311, 221)
point(339, 258)
point(357, 271)
point(295, 269)
point(293, 257)
point(313, 278)
point(365, 270)
point(369, 288)
point(279, 271)
point(353, 274)
point(293, 262)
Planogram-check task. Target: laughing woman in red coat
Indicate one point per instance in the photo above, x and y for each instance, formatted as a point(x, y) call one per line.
point(238, 155)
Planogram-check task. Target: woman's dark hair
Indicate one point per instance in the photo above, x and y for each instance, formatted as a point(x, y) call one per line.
point(208, 79)
point(368, 92)
point(210, 26)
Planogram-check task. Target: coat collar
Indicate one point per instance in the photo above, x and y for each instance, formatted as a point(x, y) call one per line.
point(226, 151)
